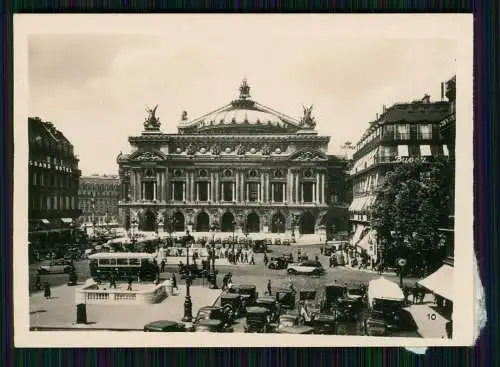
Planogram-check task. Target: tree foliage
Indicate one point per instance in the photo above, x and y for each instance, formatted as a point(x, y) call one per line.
point(410, 208)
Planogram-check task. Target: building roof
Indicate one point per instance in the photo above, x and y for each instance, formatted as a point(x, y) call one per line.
point(99, 179)
point(245, 116)
point(417, 111)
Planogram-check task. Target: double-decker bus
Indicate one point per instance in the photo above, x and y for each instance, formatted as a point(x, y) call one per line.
point(125, 265)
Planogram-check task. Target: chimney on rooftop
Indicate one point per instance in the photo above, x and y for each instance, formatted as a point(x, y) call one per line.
point(426, 99)
point(377, 115)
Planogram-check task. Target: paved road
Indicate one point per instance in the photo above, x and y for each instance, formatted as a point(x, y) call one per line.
point(259, 275)
point(254, 274)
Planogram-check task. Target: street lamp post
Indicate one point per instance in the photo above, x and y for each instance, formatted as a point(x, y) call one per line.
point(188, 305)
point(294, 223)
point(213, 275)
point(234, 227)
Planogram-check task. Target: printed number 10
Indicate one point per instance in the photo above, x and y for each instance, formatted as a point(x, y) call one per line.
point(431, 316)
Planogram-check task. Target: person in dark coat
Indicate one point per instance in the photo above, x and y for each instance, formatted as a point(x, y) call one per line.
point(47, 292)
point(269, 288)
point(38, 282)
point(112, 280)
point(130, 280)
point(174, 281)
point(163, 266)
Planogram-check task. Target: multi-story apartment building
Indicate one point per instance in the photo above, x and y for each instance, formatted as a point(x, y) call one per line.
point(53, 186)
point(403, 132)
point(98, 200)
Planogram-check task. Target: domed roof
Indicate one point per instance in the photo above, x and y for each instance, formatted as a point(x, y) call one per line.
point(241, 116)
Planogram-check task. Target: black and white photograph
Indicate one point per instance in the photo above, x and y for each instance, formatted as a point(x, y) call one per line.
point(253, 177)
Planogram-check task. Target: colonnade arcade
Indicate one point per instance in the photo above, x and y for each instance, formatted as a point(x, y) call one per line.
point(223, 185)
point(229, 220)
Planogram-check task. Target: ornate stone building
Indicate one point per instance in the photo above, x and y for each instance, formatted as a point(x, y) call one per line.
point(53, 187)
point(98, 200)
point(244, 166)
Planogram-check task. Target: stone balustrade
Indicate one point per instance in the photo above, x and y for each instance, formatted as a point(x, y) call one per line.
point(92, 293)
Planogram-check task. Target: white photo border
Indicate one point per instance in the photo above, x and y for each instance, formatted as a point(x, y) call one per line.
point(457, 27)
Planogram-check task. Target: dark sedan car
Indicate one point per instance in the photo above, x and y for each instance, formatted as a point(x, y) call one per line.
point(165, 326)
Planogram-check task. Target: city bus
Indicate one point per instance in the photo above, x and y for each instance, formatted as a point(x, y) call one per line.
point(125, 265)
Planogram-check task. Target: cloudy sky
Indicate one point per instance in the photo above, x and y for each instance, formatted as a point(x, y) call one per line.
point(95, 87)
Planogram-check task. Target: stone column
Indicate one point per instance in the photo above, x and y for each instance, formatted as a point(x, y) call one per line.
point(212, 193)
point(262, 195)
point(297, 187)
point(172, 191)
point(272, 193)
point(138, 186)
point(284, 192)
point(316, 191)
point(217, 186)
point(323, 188)
point(242, 186)
point(233, 184)
point(192, 183)
point(288, 187)
point(166, 185)
point(236, 196)
point(133, 190)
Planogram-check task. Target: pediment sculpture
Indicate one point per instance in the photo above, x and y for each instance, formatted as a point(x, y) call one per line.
point(309, 156)
point(307, 120)
point(152, 122)
point(148, 156)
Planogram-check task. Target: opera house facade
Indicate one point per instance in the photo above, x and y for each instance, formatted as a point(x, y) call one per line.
point(242, 168)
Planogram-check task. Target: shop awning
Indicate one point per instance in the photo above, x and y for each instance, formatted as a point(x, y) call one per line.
point(440, 282)
point(357, 233)
point(366, 242)
point(45, 221)
point(67, 220)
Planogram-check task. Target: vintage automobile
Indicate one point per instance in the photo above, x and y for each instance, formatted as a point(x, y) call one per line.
point(286, 242)
point(278, 263)
point(375, 325)
point(214, 313)
point(297, 329)
point(257, 320)
point(331, 295)
point(270, 303)
point(291, 324)
point(347, 310)
point(358, 297)
point(165, 326)
point(259, 246)
point(309, 306)
point(309, 267)
point(248, 293)
point(57, 266)
point(211, 326)
point(194, 270)
point(233, 304)
point(286, 298)
point(324, 324)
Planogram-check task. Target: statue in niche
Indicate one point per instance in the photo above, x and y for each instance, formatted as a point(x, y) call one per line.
point(240, 149)
point(152, 122)
point(216, 149)
point(159, 219)
point(266, 150)
point(190, 150)
point(307, 119)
